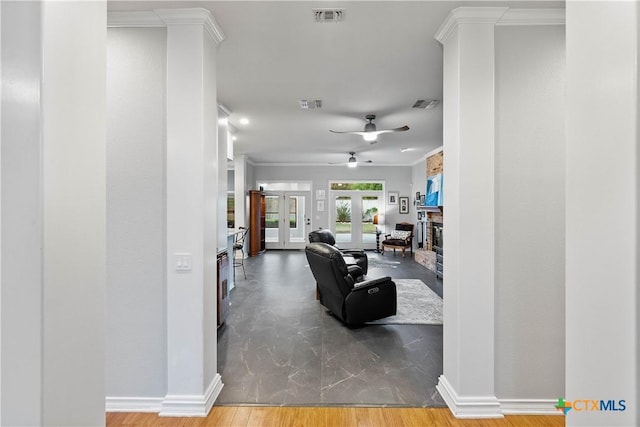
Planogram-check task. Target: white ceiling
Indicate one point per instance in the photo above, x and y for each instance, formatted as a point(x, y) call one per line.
point(379, 60)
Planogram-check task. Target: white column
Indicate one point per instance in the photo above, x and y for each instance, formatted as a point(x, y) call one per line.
point(192, 193)
point(21, 291)
point(602, 191)
point(467, 384)
point(73, 208)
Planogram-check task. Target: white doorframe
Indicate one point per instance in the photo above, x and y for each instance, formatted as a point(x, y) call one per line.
point(288, 237)
point(356, 212)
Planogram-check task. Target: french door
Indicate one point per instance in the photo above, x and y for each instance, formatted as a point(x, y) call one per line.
point(354, 217)
point(287, 217)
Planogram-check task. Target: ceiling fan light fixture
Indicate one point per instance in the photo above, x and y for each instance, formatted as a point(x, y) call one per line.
point(352, 164)
point(370, 137)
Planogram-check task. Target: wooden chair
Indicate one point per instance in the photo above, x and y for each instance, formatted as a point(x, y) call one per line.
point(396, 240)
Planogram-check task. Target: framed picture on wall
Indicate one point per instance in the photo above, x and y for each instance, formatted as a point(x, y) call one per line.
point(393, 197)
point(404, 205)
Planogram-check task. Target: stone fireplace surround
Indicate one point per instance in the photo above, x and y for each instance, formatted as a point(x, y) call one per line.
point(426, 255)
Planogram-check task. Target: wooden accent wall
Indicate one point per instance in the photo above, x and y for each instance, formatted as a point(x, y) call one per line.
point(434, 164)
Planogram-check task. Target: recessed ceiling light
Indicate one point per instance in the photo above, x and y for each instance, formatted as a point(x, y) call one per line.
point(244, 121)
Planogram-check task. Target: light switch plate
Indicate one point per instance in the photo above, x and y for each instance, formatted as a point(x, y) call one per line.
point(184, 262)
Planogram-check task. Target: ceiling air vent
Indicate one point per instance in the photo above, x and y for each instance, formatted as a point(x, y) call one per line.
point(310, 105)
point(425, 104)
point(328, 15)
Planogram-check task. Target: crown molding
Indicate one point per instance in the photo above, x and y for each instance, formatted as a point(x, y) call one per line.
point(468, 15)
point(133, 19)
point(191, 16)
point(498, 16)
point(167, 17)
point(224, 110)
point(533, 17)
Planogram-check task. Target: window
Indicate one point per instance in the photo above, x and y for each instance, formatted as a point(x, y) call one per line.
point(356, 186)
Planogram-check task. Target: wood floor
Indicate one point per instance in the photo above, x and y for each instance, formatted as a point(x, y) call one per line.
point(242, 416)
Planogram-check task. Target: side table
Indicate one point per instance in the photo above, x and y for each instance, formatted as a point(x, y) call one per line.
point(378, 233)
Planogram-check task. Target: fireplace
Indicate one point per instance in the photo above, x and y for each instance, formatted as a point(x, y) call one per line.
point(437, 242)
point(435, 231)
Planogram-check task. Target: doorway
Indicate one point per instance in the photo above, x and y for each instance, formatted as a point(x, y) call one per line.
point(287, 218)
point(353, 210)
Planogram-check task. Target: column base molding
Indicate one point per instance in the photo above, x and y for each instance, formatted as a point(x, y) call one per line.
point(133, 404)
point(171, 405)
point(529, 407)
point(180, 405)
point(468, 406)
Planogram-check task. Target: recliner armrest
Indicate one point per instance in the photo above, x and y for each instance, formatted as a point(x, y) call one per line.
point(372, 282)
point(353, 252)
point(355, 271)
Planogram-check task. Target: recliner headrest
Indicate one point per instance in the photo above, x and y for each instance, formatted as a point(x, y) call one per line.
point(323, 249)
point(323, 235)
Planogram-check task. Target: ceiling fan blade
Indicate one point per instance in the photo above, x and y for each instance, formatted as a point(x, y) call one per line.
point(348, 131)
point(376, 132)
point(400, 129)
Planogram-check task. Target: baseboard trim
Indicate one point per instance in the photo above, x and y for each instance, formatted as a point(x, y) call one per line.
point(179, 405)
point(529, 407)
point(468, 406)
point(133, 404)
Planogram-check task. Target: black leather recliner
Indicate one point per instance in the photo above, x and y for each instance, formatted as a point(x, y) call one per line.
point(327, 236)
point(352, 302)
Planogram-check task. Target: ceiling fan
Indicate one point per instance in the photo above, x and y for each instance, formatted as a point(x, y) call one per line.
point(370, 133)
point(352, 162)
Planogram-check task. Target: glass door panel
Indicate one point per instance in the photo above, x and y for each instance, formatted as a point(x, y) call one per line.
point(370, 207)
point(287, 220)
point(343, 224)
point(297, 216)
point(272, 219)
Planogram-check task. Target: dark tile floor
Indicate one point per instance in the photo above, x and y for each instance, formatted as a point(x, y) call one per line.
point(279, 346)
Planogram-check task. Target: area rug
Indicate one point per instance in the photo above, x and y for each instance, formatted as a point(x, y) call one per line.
point(417, 305)
point(375, 263)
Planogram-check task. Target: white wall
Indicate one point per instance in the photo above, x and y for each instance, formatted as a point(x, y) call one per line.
point(136, 145)
point(602, 209)
point(74, 192)
point(530, 88)
point(21, 347)
point(397, 178)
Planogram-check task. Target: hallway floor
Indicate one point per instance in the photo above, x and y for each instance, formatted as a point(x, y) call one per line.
point(279, 346)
